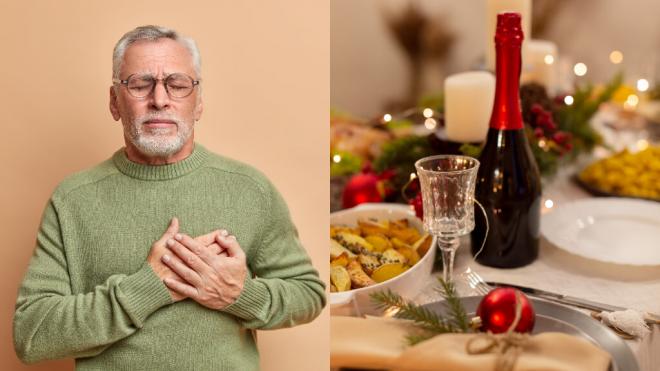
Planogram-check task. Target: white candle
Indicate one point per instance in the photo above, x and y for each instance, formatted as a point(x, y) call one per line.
point(541, 63)
point(468, 105)
point(524, 7)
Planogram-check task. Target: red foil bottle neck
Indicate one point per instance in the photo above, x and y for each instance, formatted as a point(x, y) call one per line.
point(506, 113)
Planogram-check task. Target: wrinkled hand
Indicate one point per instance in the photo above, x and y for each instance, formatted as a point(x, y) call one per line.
point(214, 281)
point(159, 248)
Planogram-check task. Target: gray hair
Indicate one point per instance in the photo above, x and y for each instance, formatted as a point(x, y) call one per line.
point(153, 33)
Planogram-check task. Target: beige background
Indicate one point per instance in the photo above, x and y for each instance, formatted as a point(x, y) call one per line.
point(265, 67)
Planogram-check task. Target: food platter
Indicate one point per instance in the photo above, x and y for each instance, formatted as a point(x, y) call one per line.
point(596, 191)
point(551, 317)
point(358, 302)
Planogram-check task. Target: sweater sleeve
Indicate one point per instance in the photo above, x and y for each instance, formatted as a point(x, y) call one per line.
point(286, 290)
point(51, 322)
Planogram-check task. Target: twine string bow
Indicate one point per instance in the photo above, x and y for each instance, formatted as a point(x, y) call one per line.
point(507, 346)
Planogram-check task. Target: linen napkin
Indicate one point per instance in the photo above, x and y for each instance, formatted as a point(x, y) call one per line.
point(379, 343)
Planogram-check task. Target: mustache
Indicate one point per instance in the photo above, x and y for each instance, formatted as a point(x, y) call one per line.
point(158, 116)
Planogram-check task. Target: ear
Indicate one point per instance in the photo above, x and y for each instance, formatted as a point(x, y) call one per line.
point(114, 107)
point(199, 108)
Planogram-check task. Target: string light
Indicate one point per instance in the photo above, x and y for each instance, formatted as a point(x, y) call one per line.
point(336, 159)
point(642, 84)
point(387, 117)
point(642, 144)
point(616, 57)
point(549, 59)
point(413, 176)
point(632, 100)
point(580, 69)
point(549, 204)
point(430, 124)
point(428, 113)
point(568, 100)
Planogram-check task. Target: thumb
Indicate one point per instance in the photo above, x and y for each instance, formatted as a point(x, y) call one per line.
point(231, 246)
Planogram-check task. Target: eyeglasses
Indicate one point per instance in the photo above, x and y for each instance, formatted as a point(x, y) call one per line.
point(177, 85)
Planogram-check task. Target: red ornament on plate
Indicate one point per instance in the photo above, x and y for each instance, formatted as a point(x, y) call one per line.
point(497, 311)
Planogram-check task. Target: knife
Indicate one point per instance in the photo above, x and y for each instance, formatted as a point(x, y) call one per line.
point(570, 300)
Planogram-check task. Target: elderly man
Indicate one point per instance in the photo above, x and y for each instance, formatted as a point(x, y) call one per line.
point(117, 279)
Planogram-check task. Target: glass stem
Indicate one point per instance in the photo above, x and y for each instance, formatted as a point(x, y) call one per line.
point(448, 246)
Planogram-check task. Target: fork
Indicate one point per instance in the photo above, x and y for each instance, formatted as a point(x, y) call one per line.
point(476, 283)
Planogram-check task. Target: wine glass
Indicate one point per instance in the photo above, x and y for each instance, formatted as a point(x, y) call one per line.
point(447, 183)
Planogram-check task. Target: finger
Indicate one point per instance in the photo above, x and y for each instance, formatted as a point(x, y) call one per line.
point(172, 229)
point(197, 249)
point(231, 246)
point(182, 270)
point(209, 238)
point(216, 249)
point(181, 288)
point(189, 258)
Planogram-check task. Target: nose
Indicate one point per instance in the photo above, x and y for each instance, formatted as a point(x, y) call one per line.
point(160, 99)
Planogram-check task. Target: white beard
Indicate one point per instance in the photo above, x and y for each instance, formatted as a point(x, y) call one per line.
point(158, 142)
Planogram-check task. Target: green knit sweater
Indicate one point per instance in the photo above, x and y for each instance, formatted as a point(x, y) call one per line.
point(88, 292)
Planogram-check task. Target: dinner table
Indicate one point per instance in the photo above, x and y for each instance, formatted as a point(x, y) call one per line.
point(557, 270)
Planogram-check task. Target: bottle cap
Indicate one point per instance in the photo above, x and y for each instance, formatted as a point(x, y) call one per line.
point(508, 29)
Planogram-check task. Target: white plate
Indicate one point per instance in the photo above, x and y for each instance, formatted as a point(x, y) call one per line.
point(613, 230)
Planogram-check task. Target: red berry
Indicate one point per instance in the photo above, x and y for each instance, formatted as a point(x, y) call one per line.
point(417, 204)
point(560, 137)
point(538, 132)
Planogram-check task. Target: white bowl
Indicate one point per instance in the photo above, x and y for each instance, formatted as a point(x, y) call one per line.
point(408, 284)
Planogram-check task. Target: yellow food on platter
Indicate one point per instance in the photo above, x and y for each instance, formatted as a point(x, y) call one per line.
point(373, 252)
point(627, 174)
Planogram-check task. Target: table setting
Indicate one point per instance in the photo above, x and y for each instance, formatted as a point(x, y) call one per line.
point(507, 223)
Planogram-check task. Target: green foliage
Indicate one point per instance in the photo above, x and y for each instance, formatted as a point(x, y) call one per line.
point(470, 150)
point(457, 314)
point(575, 118)
point(428, 322)
point(398, 124)
point(400, 154)
point(349, 164)
point(434, 101)
point(547, 161)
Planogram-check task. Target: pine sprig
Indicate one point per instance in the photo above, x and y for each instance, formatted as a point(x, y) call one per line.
point(414, 339)
point(421, 316)
point(454, 306)
point(428, 322)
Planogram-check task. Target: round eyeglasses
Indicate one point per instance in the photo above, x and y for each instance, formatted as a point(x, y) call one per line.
point(177, 85)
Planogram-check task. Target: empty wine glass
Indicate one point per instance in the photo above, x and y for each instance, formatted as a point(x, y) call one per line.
point(447, 183)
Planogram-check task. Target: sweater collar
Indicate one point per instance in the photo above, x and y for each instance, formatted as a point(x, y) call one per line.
point(160, 172)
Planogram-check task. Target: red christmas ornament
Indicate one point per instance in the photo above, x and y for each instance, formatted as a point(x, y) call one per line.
point(497, 311)
point(362, 188)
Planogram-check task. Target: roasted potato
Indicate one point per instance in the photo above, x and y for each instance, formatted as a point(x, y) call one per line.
point(358, 277)
point(336, 249)
point(340, 277)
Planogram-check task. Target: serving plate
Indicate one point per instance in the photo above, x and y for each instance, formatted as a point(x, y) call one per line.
point(551, 317)
point(612, 230)
point(596, 191)
point(357, 302)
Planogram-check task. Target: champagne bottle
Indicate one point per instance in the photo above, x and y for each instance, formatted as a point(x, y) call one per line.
point(508, 181)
